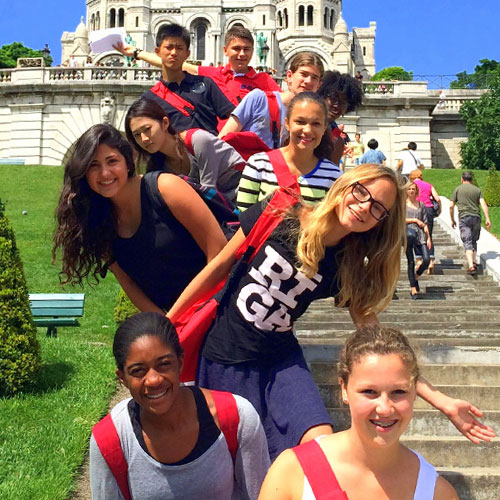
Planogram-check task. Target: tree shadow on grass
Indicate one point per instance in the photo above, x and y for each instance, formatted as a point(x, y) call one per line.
point(51, 378)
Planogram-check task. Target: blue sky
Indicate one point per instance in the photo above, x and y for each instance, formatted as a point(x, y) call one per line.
point(428, 37)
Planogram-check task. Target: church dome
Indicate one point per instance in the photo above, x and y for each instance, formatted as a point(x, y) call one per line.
point(340, 27)
point(81, 30)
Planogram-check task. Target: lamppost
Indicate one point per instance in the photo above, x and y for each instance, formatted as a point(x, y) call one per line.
point(45, 52)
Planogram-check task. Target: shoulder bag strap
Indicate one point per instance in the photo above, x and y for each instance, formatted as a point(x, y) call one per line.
point(109, 445)
point(175, 100)
point(274, 114)
point(229, 418)
point(280, 167)
point(317, 469)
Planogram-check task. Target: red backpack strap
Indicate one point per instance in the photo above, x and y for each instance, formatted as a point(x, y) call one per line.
point(175, 100)
point(229, 418)
point(188, 139)
point(274, 114)
point(109, 445)
point(317, 469)
point(279, 205)
point(285, 178)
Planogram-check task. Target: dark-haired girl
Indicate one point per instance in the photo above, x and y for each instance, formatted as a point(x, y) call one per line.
point(170, 435)
point(196, 153)
point(305, 154)
point(153, 232)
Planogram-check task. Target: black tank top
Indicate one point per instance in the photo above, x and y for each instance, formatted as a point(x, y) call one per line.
point(161, 257)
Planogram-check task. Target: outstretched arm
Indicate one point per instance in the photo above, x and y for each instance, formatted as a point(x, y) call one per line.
point(461, 413)
point(142, 55)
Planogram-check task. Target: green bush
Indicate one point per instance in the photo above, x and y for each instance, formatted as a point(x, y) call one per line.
point(19, 348)
point(123, 308)
point(492, 188)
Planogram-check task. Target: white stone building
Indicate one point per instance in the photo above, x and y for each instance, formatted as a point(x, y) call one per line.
point(291, 26)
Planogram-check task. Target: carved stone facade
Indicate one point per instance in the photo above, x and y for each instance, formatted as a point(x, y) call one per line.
point(290, 26)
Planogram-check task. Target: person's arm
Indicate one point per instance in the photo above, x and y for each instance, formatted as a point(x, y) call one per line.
point(192, 212)
point(133, 291)
point(249, 186)
point(443, 490)
point(452, 214)
point(141, 55)
point(435, 195)
point(190, 68)
point(337, 150)
point(211, 275)
point(252, 458)
point(399, 165)
point(233, 124)
point(461, 413)
point(102, 482)
point(284, 480)
point(484, 206)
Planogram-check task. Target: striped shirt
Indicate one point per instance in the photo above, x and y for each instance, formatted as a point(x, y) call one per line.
point(258, 180)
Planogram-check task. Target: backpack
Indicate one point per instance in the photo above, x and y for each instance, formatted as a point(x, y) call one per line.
point(317, 469)
point(175, 100)
point(108, 441)
point(193, 324)
point(249, 143)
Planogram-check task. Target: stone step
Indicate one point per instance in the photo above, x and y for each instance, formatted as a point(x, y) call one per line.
point(486, 398)
point(423, 423)
point(449, 452)
point(474, 483)
point(444, 374)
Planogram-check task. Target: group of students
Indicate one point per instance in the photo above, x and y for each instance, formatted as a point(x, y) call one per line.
point(339, 236)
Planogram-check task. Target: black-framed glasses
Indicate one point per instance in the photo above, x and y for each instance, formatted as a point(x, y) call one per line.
point(361, 194)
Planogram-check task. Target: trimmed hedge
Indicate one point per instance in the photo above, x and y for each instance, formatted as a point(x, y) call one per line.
point(492, 188)
point(19, 348)
point(123, 308)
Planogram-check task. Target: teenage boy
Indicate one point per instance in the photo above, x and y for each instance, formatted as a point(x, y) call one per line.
point(190, 101)
point(236, 79)
point(469, 200)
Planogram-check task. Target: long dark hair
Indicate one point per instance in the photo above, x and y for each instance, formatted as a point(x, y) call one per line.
point(325, 147)
point(149, 108)
point(85, 220)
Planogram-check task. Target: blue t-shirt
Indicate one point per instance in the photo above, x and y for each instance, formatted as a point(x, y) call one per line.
point(373, 156)
point(253, 114)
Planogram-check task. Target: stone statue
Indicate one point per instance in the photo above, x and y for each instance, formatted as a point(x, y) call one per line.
point(108, 108)
point(262, 48)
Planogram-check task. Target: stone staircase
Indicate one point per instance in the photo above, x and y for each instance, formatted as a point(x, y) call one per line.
point(455, 327)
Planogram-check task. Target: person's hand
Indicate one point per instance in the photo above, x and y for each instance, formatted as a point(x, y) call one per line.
point(463, 416)
point(488, 223)
point(126, 50)
point(453, 224)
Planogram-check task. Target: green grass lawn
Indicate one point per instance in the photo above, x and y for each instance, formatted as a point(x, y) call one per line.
point(445, 181)
point(44, 432)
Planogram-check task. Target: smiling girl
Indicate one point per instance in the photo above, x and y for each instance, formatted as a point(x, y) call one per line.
point(305, 155)
point(378, 373)
point(170, 436)
point(153, 232)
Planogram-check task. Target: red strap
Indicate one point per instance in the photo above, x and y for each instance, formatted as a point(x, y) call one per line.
point(108, 441)
point(229, 418)
point(317, 469)
point(175, 100)
point(269, 219)
point(285, 178)
point(274, 114)
point(188, 139)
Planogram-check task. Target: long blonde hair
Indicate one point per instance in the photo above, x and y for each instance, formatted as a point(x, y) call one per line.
point(370, 262)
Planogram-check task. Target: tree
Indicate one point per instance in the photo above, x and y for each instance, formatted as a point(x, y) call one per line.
point(492, 189)
point(482, 122)
point(393, 73)
point(9, 54)
point(484, 73)
point(19, 348)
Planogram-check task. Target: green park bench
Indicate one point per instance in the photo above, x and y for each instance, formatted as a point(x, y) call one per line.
point(56, 309)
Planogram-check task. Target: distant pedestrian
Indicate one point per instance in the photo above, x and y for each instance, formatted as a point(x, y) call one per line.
point(358, 148)
point(408, 160)
point(469, 199)
point(373, 155)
